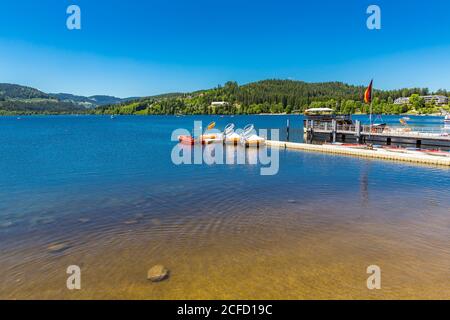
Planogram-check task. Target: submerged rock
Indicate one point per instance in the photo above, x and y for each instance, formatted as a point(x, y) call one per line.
point(57, 247)
point(292, 201)
point(156, 222)
point(157, 273)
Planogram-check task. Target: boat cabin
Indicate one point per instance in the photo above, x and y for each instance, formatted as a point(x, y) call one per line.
point(322, 115)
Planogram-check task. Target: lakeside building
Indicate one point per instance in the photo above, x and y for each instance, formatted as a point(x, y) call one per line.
point(402, 100)
point(436, 99)
point(219, 104)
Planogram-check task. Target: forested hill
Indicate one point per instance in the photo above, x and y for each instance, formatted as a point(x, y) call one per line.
point(270, 96)
point(89, 102)
point(17, 99)
point(20, 99)
point(14, 91)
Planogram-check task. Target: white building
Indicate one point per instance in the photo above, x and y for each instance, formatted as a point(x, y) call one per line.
point(438, 100)
point(219, 104)
point(401, 101)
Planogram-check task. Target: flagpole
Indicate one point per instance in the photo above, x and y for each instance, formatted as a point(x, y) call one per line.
point(371, 107)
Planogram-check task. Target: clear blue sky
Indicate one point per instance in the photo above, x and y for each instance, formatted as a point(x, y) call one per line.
point(136, 47)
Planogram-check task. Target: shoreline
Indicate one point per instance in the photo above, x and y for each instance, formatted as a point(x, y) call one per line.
point(189, 115)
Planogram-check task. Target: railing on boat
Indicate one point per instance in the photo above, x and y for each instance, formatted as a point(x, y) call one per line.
point(418, 132)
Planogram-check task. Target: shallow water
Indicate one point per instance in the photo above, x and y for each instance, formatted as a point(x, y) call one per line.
point(108, 191)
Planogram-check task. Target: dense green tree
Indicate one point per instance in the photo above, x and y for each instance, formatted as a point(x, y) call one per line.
point(416, 102)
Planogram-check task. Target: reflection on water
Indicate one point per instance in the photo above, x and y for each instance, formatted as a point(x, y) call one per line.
point(365, 183)
point(217, 154)
point(110, 200)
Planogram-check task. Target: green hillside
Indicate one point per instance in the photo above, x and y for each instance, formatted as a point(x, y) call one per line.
point(89, 102)
point(17, 99)
point(268, 96)
point(14, 91)
point(21, 100)
point(272, 96)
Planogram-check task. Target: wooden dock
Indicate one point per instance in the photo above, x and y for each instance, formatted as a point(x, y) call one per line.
point(365, 153)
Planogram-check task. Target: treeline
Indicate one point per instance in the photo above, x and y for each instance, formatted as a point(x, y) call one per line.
point(8, 91)
point(17, 99)
point(39, 106)
point(275, 96)
point(268, 96)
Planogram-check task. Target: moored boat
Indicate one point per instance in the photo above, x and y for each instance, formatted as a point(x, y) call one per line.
point(230, 136)
point(250, 139)
point(233, 138)
point(253, 141)
point(186, 139)
point(205, 138)
point(211, 138)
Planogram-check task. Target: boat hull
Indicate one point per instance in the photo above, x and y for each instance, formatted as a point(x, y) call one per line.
point(186, 140)
point(232, 141)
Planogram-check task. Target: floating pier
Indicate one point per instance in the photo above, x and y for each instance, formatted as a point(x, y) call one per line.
point(365, 153)
point(366, 133)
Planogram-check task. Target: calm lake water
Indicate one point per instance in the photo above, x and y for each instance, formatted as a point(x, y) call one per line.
point(107, 193)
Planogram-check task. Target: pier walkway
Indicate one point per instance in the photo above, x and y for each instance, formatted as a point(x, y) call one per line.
point(365, 153)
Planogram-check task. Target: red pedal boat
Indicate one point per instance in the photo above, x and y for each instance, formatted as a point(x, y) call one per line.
point(204, 139)
point(186, 140)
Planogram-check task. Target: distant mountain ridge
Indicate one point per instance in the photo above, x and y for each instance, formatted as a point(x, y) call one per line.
point(91, 101)
point(24, 99)
point(15, 91)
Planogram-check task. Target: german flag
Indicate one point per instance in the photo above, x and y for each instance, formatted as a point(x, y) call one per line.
point(368, 93)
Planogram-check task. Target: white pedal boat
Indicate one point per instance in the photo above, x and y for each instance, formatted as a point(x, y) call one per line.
point(250, 139)
point(231, 137)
